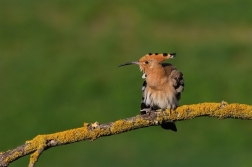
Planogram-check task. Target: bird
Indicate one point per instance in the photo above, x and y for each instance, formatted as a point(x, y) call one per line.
point(162, 86)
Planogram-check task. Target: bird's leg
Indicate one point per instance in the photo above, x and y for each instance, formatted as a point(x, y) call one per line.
point(164, 111)
point(170, 112)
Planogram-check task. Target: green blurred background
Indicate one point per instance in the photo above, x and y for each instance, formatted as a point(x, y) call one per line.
point(58, 69)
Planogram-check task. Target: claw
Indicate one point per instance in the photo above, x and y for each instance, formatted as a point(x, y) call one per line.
point(146, 111)
point(169, 112)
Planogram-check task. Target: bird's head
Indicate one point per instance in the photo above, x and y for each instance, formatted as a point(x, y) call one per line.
point(150, 60)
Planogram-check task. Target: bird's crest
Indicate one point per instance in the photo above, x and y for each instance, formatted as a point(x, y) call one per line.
point(159, 57)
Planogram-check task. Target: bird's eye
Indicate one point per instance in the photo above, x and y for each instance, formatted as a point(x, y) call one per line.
point(146, 62)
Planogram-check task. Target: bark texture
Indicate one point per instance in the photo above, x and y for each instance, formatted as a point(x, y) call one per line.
point(92, 131)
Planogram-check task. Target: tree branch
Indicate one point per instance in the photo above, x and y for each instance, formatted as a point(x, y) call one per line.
point(40, 143)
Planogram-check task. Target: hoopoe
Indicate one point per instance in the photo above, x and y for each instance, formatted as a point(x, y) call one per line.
point(162, 85)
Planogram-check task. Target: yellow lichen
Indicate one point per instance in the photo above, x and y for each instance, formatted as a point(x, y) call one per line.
point(13, 156)
point(93, 131)
point(85, 124)
point(140, 122)
point(120, 126)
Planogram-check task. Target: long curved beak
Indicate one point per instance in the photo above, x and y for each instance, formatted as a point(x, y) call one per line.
point(129, 63)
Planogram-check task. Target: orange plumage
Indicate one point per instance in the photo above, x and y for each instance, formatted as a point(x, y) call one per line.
point(162, 86)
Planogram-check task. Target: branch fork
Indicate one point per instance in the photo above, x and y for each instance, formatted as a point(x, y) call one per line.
point(93, 131)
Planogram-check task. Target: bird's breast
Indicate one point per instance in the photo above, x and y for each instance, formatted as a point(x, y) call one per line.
point(162, 99)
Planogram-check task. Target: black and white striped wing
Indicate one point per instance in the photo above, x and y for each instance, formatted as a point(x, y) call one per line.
point(144, 107)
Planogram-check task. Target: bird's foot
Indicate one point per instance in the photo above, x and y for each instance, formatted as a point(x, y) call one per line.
point(167, 111)
point(145, 112)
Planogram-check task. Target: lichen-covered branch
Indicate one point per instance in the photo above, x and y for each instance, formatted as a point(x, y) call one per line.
point(40, 143)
